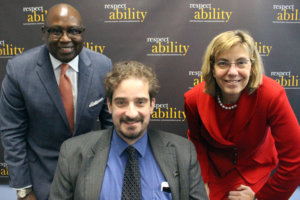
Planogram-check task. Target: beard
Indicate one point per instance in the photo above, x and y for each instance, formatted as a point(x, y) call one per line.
point(130, 133)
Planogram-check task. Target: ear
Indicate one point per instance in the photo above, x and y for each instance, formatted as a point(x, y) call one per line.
point(152, 104)
point(44, 34)
point(108, 106)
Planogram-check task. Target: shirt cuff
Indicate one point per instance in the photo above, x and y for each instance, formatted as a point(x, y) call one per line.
point(23, 187)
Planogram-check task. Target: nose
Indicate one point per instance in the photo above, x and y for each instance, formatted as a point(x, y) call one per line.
point(64, 37)
point(131, 111)
point(232, 69)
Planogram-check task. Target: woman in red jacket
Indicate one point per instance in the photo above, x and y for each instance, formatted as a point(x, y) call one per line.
point(242, 124)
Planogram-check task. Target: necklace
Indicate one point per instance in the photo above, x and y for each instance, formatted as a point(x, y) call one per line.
point(225, 107)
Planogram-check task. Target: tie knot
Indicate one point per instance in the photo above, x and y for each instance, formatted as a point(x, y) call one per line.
point(63, 68)
point(131, 151)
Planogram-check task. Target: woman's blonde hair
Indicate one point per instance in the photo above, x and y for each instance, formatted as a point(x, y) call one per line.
point(224, 42)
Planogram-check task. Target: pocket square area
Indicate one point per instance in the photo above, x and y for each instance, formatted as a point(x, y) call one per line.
point(93, 103)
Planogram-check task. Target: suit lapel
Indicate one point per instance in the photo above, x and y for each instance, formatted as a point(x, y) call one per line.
point(207, 111)
point(47, 77)
point(84, 83)
point(165, 156)
point(245, 111)
point(96, 165)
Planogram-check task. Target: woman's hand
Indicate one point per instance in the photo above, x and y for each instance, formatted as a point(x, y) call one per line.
point(242, 193)
point(207, 189)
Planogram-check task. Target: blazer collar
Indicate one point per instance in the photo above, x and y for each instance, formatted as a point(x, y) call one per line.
point(206, 105)
point(96, 164)
point(246, 109)
point(46, 74)
point(84, 84)
point(47, 77)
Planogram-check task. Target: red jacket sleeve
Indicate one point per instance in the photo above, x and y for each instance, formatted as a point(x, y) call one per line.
point(286, 132)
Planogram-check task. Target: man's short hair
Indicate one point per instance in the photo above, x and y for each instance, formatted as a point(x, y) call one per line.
point(130, 69)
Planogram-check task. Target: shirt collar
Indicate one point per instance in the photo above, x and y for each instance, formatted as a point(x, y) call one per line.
point(56, 63)
point(120, 145)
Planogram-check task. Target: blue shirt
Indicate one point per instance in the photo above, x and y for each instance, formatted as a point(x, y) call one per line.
point(151, 175)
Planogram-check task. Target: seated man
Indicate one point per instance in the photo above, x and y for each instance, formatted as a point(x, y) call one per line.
point(129, 161)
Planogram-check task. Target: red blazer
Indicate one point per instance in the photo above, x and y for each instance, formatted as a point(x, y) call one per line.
point(265, 130)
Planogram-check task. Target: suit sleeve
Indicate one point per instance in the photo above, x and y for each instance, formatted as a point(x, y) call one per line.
point(195, 178)
point(286, 132)
point(105, 116)
point(61, 187)
point(194, 134)
point(13, 128)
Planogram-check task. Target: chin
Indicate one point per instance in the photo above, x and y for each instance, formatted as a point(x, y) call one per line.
point(131, 136)
point(233, 91)
point(67, 59)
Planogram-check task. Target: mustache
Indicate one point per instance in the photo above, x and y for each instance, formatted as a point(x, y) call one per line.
point(130, 120)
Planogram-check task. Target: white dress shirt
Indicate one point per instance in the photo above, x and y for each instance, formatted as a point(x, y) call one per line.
point(72, 73)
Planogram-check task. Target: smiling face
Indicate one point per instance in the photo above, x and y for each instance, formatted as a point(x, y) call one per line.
point(65, 47)
point(232, 79)
point(131, 108)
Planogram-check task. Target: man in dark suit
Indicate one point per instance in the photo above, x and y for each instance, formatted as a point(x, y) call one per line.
point(155, 164)
point(35, 119)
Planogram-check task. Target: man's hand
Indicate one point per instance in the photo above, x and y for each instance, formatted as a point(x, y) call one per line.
point(242, 193)
point(30, 196)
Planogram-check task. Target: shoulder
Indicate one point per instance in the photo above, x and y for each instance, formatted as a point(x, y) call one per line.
point(94, 56)
point(100, 63)
point(26, 62)
point(170, 138)
point(84, 143)
point(181, 146)
point(191, 97)
point(195, 91)
point(30, 55)
point(270, 88)
point(271, 84)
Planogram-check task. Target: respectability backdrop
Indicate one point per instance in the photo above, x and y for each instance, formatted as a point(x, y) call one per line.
point(168, 35)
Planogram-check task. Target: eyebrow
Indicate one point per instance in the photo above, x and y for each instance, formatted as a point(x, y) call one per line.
point(119, 98)
point(241, 58)
point(124, 98)
point(57, 26)
point(143, 98)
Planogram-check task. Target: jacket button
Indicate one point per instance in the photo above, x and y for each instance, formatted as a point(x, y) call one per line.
point(234, 162)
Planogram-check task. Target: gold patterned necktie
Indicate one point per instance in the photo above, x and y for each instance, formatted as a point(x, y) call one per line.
point(65, 88)
point(131, 183)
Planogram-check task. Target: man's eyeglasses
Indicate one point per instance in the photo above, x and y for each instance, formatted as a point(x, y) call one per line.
point(239, 64)
point(57, 32)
